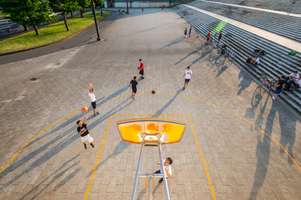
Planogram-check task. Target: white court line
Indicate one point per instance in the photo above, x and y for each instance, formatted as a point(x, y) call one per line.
point(254, 8)
point(286, 42)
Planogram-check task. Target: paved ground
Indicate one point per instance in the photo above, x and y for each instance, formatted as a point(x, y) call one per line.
point(238, 143)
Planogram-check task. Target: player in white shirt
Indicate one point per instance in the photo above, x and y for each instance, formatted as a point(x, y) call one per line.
point(295, 76)
point(167, 169)
point(187, 76)
point(93, 100)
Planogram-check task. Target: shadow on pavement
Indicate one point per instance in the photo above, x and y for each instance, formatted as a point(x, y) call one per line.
point(73, 136)
point(263, 151)
point(287, 124)
point(203, 47)
point(255, 101)
point(69, 136)
point(244, 81)
point(123, 145)
point(174, 42)
point(54, 176)
point(168, 103)
point(260, 117)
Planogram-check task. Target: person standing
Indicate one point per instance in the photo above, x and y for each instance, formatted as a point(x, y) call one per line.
point(189, 31)
point(185, 32)
point(141, 68)
point(82, 129)
point(187, 76)
point(219, 38)
point(133, 85)
point(208, 37)
point(93, 99)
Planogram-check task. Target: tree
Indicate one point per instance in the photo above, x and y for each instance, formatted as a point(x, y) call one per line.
point(64, 6)
point(27, 12)
point(71, 5)
point(101, 3)
point(83, 4)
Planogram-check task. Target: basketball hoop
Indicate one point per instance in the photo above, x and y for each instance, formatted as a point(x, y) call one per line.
point(150, 132)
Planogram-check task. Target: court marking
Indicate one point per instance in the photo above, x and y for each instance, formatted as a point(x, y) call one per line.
point(99, 157)
point(109, 123)
point(202, 159)
point(273, 139)
point(296, 162)
point(11, 160)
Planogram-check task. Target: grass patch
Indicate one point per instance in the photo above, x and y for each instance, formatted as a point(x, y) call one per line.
point(3, 14)
point(47, 35)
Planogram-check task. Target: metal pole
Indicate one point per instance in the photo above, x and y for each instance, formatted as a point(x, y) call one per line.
point(127, 6)
point(95, 19)
point(167, 194)
point(150, 187)
point(136, 182)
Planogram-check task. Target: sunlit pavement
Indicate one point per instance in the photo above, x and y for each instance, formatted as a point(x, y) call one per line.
point(238, 143)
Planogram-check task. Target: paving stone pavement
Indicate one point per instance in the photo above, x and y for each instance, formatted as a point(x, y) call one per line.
point(250, 144)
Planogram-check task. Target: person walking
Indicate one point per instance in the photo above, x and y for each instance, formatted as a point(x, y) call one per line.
point(141, 68)
point(185, 32)
point(133, 85)
point(93, 99)
point(189, 31)
point(82, 129)
point(187, 76)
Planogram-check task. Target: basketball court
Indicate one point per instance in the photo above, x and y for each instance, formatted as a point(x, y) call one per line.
point(232, 148)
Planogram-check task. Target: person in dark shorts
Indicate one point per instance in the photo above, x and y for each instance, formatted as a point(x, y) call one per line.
point(185, 32)
point(93, 100)
point(141, 68)
point(189, 31)
point(134, 84)
point(187, 76)
point(84, 133)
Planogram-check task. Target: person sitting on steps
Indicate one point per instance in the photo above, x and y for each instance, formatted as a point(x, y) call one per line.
point(278, 88)
point(253, 60)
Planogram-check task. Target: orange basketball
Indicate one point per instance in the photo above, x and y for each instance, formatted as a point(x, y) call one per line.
point(85, 109)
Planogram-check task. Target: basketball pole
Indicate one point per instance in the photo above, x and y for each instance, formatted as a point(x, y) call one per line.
point(136, 182)
point(95, 19)
point(166, 188)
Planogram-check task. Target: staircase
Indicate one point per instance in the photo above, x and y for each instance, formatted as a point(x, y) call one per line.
point(276, 61)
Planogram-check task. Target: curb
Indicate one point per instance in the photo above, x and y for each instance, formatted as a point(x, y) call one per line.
point(61, 40)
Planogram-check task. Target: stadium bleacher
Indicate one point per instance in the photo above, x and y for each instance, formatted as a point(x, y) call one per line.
point(276, 62)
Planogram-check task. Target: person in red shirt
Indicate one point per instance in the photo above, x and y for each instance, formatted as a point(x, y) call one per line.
point(208, 37)
point(141, 68)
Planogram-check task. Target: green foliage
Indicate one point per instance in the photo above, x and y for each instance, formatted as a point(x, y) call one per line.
point(64, 5)
point(48, 34)
point(84, 3)
point(71, 5)
point(100, 2)
point(27, 12)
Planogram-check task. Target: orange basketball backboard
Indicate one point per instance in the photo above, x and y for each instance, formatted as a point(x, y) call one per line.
point(150, 130)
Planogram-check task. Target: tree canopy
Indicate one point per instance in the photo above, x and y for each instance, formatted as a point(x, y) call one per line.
point(27, 12)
